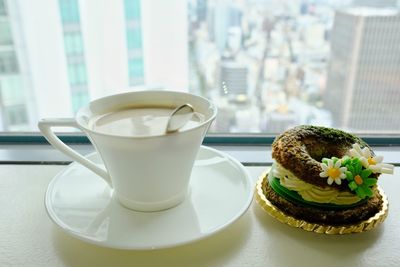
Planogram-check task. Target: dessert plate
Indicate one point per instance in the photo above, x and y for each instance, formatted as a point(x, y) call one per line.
point(82, 205)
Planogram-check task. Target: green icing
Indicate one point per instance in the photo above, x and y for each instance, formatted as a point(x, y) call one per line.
point(329, 132)
point(294, 197)
point(333, 134)
point(355, 168)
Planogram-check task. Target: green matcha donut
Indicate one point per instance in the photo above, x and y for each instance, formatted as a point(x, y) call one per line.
point(301, 149)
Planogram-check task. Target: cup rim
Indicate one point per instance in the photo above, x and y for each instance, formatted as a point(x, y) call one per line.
point(86, 109)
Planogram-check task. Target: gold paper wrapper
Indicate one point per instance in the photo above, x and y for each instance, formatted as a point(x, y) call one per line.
point(360, 227)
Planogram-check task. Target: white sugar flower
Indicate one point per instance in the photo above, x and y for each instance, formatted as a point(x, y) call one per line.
point(375, 164)
point(333, 171)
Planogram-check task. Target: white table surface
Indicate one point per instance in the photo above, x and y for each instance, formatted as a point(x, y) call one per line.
point(29, 238)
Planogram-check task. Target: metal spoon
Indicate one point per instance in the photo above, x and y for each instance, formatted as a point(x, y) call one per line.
point(179, 117)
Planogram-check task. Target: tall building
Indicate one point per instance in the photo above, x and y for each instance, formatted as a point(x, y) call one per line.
point(223, 15)
point(363, 90)
point(57, 55)
point(233, 76)
point(74, 53)
point(375, 3)
point(134, 42)
point(13, 97)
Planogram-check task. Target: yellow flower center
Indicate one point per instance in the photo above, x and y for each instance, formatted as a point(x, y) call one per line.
point(334, 173)
point(371, 161)
point(358, 179)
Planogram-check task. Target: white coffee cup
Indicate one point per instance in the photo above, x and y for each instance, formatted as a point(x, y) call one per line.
point(147, 173)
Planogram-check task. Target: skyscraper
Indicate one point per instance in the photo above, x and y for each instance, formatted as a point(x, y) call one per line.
point(74, 52)
point(57, 55)
point(14, 110)
point(364, 71)
point(375, 3)
point(134, 41)
point(233, 78)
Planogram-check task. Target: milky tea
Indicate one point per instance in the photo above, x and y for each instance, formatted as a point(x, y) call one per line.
point(139, 122)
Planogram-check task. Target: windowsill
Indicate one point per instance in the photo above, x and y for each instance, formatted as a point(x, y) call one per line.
point(28, 169)
point(248, 155)
point(32, 232)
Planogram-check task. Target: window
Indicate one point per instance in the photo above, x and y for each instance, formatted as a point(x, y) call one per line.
point(298, 63)
point(69, 11)
point(11, 90)
point(8, 62)
point(74, 52)
point(132, 9)
point(13, 105)
point(135, 68)
point(134, 39)
point(79, 99)
point(3, 8)
point(16, 115)
point(134, 42)
point(77, 74)
point(5, 33)
point(73, 43)
point(268, 65)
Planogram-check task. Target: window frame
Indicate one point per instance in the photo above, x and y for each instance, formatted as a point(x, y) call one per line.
point(235, 139)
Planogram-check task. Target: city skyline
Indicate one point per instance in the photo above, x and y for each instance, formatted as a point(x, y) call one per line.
point(363, 75)
point(287, 56)
point(266, 69)
point(57, 55)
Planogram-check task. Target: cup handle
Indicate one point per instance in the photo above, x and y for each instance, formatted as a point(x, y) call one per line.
point(45, 126)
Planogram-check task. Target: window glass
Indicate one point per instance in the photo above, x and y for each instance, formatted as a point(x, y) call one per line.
point(135, 67)
point(5, 33)
point(3, 8)
point(267, 64)
point(16, 115)
point(11, 91)
point(134, 39)
point(79, 99)
point(77, 74)
point(269, 68)
point(132, 9)
point(8, 62)
point(73, 43)
point(14, 109)
point(69, 10)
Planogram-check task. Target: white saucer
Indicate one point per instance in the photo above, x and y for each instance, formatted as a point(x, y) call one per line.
point(82, 205)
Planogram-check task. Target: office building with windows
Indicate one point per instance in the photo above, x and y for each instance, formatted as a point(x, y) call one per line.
point(375, 3)
point(362, 85)
point(55, 56)
point(134, 41)
point(74, 52)
point(233, 77)
point(14, 110)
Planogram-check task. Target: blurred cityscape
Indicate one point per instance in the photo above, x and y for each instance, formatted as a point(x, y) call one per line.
point(267, 64)
point(273, 64)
